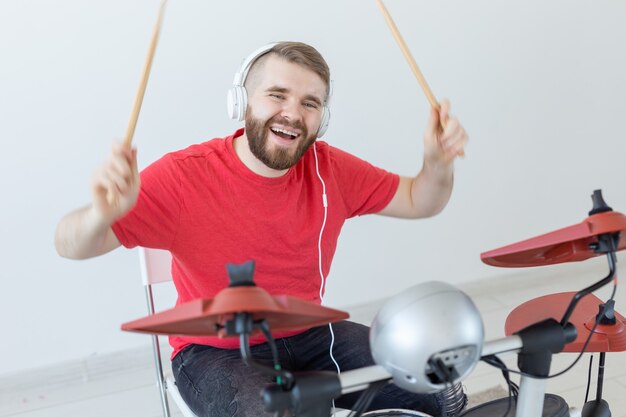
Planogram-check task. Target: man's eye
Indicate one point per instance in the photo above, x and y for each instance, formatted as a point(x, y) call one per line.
point(311, 105)
point(278, 96)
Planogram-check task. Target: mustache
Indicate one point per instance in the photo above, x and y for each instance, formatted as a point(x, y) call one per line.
point(286, 122)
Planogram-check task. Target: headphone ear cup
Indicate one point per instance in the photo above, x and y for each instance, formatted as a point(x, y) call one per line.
point(324, 122)
point(236, 102)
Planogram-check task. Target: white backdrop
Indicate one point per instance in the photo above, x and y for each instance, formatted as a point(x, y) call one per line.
point(540, 87)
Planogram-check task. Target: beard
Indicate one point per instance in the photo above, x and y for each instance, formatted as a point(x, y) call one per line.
point(278, 158)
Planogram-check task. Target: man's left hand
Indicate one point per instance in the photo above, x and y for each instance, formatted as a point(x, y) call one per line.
point(443, 145)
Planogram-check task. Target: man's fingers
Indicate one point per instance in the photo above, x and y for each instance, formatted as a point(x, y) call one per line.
point(121, 182)
point(123, 152)
point(454, 139)
point(451, 133)
point(433, 122)
point(116, 177)
point(459, 147)
point(106, 192)
point(119, 167)
point(444, 111)
point(122, 166)
point(115, 184)
point(446, 132)
point(111, 183)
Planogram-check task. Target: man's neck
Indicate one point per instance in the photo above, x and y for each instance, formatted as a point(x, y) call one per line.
point(242, 149)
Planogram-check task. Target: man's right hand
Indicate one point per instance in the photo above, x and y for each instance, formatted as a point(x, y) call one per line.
point(115, 186)
point(87, 232)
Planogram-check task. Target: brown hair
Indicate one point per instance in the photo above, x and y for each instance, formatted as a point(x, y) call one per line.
point(297, 53)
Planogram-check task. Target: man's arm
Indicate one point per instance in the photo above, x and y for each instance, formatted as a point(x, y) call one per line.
point(82, 234)
point(428, 193)
point(86, 232)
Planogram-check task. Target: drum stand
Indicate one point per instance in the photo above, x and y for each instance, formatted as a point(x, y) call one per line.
point(597, 235)
point(308, 394)
point(600, 328)
point(537, 342)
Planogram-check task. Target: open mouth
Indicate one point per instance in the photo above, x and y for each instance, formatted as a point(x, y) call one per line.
point(284, 133)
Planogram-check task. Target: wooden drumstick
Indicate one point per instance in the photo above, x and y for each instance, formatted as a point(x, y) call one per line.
point(411, 61)
point(134, 116)
point(130, 131)
point(407, 54)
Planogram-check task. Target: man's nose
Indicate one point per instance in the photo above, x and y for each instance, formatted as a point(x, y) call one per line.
point(291, 110)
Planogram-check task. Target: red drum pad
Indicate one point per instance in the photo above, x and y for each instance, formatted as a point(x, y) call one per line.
point(564, 245)
point(607, 338)
point(206, 317)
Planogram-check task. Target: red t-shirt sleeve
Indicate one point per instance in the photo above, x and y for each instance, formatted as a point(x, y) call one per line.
point(365, 188)
point(153, 221)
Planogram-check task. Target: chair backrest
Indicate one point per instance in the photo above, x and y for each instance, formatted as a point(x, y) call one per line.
point(156, 265)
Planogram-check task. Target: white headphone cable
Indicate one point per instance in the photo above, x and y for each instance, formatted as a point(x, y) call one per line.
point(319, 257)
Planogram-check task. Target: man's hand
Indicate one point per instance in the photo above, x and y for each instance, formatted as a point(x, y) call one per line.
point(87, 232)
point(441, 147)
point(115, 186)
point(428, 193)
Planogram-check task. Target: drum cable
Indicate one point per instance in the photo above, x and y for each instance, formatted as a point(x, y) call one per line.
point(360, 406)
point(265, 329)
point(493, 360)
point(453, 399)
point(588, 379)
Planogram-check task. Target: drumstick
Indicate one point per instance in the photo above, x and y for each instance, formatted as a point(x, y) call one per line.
point(130, 131)
point(134, 116)
point(407, 54)
point(411, 61)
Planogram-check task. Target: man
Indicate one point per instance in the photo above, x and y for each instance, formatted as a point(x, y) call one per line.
point(268, 193)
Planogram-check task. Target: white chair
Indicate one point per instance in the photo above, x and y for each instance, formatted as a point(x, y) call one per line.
point(156, 267)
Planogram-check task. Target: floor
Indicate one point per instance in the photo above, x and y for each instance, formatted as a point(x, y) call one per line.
point(123, 385)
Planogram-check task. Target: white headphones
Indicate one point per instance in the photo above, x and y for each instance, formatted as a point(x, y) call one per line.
point(237, 98)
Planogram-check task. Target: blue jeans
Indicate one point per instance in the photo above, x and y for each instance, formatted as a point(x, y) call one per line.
point(215, 382)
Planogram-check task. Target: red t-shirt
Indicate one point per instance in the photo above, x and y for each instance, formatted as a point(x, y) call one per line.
point(208, 209)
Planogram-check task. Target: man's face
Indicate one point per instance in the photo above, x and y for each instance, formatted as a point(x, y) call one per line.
point(284, 112)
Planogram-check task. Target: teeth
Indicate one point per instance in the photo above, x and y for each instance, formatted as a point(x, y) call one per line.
point(286, 132)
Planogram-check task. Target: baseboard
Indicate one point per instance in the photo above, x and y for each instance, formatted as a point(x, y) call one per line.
point(82, 370)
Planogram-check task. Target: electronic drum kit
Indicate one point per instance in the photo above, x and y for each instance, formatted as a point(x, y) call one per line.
point(537, 329)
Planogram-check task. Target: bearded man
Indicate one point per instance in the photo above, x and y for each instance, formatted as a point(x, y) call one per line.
point(270, 192)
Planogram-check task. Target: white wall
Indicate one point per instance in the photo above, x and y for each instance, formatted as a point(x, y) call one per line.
point(540, 87)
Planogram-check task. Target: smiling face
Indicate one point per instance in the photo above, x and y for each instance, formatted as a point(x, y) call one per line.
point(285, 104)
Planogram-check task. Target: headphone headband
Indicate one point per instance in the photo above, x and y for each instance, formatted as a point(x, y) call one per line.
point(246, 64)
